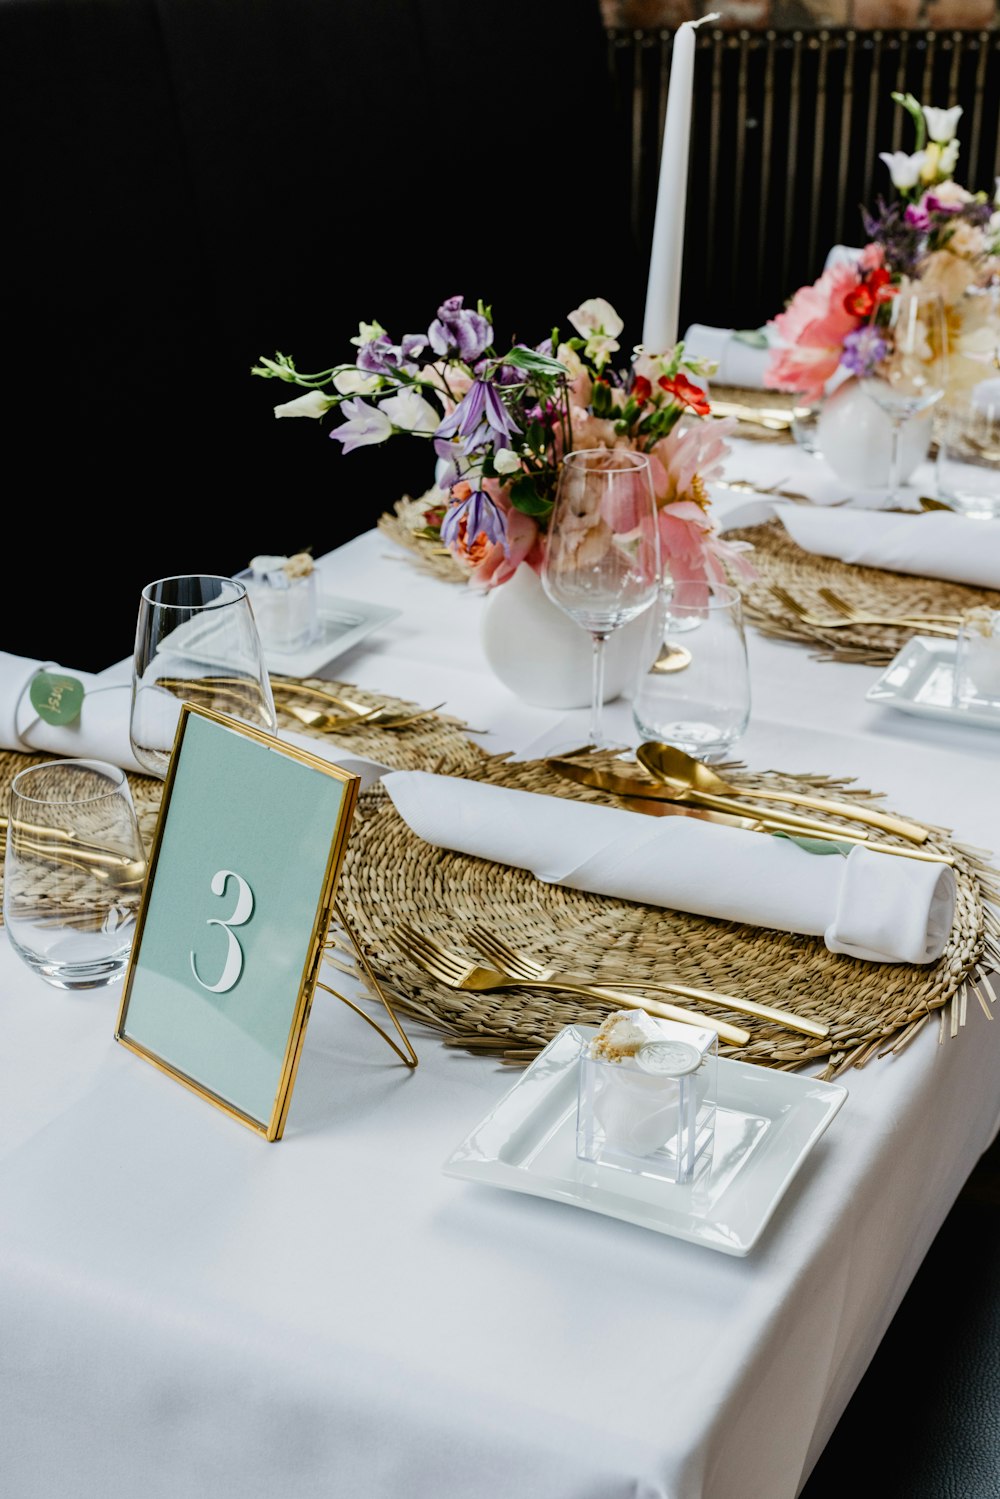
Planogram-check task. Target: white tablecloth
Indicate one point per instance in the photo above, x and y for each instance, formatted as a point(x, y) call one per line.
point(188, 1311)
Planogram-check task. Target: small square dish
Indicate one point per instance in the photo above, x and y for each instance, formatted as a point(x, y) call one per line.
point(920, 679)
point(343, 622)
point(767, 1122)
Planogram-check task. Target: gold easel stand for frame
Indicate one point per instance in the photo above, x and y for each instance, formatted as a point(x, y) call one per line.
point(408, 1055)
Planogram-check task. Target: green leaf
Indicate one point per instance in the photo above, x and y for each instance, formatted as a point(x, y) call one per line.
point(524, 496)
point(535, 363)
point(818, 845)
point(754, 338)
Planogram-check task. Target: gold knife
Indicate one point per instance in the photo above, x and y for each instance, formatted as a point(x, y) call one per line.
point(653, 800)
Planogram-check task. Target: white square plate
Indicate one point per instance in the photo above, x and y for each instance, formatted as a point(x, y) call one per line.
point(766, 1124)
point(343, 623)
point(920, 680)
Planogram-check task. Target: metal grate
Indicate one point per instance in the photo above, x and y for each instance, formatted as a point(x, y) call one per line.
point(786, 132)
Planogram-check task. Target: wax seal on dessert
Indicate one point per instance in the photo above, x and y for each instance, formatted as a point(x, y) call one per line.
point(668, 1058)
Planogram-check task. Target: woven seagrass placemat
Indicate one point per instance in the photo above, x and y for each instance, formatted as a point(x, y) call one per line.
point(780, 561)
point(391, 876)
point(436, 742)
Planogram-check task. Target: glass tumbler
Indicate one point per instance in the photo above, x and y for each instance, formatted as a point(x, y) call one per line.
point(73, 872)
point(968, 455)
point(694, 689)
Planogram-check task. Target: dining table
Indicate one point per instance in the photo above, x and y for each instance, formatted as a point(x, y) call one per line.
point(189, 1310)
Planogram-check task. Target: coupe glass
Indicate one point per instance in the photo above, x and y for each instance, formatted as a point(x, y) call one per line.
point(602, 552)
point(906, 362)
point(196, 640)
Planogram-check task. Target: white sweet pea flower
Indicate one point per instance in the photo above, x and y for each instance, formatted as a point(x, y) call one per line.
point(365, 425)
point(314, 403)
point(948, 159)
point(506, 461)
point(409, 412)
point(942, 123)
point(596, 316)
point(356, 383)
point(904, 169)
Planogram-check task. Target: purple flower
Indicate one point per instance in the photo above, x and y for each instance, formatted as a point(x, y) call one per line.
point(863, 350)
point(481, 419)
point(935, 205)
point(481, 516)
point(457, 330)
point(380, 356)
point(917, 217)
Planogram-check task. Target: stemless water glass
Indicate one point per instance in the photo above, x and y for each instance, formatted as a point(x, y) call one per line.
point(602, 553)
point(698, 700)
point(73, 871)
point(904, 359)
point(196, 640)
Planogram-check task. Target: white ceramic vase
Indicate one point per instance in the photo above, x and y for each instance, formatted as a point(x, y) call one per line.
point(542, 655)
point(854, 435)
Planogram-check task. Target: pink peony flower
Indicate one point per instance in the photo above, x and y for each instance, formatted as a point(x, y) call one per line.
point(813, 328)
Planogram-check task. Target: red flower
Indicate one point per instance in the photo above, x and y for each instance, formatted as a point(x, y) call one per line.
point(862, 301)
point(685, 393)
point(641, 390)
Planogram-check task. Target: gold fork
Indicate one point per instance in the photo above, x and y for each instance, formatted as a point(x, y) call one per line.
point(850, 612)
point(368, 718)
point(842, 622)
point(458, 972)
point(518, 964)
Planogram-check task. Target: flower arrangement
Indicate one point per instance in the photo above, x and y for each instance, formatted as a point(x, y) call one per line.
point(500, 421)
point(934, 232)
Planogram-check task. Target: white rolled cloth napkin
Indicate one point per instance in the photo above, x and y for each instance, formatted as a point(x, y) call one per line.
point(935, 544)
point(102, 730)
point(867, 905)
point(739, 363)
point(99, 733)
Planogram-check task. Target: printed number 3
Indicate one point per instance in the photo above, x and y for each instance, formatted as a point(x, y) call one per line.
point(244, 910)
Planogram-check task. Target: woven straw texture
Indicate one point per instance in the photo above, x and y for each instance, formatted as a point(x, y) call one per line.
point(778, 560)
point(435, 742)
point(391, 876)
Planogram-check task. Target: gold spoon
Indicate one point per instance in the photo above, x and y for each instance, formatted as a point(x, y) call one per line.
point(686, 776)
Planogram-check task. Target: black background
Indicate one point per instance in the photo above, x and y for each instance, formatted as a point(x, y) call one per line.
point(191, 184)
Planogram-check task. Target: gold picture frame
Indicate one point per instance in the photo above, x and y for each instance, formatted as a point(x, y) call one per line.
point(235, 917)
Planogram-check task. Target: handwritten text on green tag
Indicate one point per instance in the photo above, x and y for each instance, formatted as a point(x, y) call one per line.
point(57, 699)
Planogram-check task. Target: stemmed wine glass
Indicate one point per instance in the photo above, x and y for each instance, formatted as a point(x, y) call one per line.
point(602, 553)
point(905, 361)
point(196, 641)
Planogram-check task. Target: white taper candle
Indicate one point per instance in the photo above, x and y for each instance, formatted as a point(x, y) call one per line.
point(659, 331)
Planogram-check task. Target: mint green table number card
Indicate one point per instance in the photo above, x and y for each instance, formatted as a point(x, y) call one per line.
point(235, 915)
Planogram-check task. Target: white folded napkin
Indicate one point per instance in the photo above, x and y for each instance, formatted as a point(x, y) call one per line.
point(867, 905)
point(938, 544)
point(102, 730)
point(739, 363)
